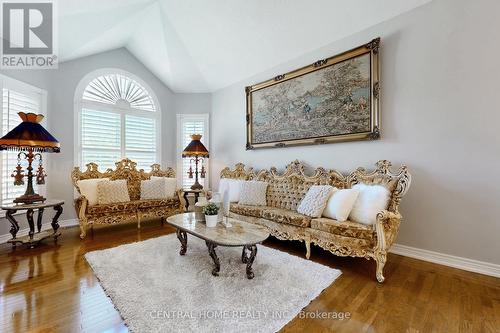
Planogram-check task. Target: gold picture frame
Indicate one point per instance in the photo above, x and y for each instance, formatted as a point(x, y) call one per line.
point(337, 117)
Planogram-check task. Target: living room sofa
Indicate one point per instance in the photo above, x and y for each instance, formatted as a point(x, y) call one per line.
point(348, 238)
point(122, 212)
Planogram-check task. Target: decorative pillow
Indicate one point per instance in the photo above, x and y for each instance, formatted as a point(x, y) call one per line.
point(253, 193)
point(315, 200)
point(233, 186)
point(371, 200)
point(340, 204)
point(114, 191)
point(88, 188)
point(153, 189)
point(170, 185)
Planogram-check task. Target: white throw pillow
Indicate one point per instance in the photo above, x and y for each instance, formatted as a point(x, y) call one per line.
point(114, 191)
point(233, 186)
point(315, 200)
point(153, 189)
point(170, 185)
point(371, 200)
point(88, 188)
point(340, 204)
point(253, 193)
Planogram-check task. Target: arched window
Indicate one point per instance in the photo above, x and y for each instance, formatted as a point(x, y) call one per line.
point(118, 117)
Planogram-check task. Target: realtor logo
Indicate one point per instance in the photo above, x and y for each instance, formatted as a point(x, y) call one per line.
point(28, 35)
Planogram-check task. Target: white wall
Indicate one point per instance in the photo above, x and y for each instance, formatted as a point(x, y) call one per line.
point(440, 116)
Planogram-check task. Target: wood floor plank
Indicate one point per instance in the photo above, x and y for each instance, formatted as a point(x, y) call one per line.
point(52, 289)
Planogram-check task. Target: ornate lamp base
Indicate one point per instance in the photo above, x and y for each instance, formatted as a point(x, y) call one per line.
point(197, 186)
point(29, 199)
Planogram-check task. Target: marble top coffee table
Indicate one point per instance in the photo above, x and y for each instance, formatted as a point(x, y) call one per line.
point(239, 234)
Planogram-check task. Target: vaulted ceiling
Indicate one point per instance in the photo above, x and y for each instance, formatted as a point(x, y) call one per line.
point(205, 45)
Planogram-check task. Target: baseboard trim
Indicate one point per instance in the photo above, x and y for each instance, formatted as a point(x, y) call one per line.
point(465, 264)
point(45, 226)
point(470, 265)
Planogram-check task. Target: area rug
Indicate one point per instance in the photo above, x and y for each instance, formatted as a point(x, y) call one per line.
point(157, 290)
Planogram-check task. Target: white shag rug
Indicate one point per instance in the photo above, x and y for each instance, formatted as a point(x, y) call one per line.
point(157, 290)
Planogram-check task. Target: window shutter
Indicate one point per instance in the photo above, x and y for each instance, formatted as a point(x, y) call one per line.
point(13, 102)
point(101, 138)
point(140, 141)
point(118, 120)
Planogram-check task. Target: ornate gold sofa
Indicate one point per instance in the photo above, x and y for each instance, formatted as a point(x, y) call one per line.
point(285, 191)
point(135, 209)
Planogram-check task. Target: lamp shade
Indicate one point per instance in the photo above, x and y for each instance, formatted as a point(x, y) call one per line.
point(195, 147)
point(30, 135)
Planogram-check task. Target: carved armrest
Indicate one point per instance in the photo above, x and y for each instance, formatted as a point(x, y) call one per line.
point(81, 204)
point(387, 227)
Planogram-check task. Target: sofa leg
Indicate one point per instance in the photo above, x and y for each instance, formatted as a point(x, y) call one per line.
point(83, 229)
point(308, 248)
point(138, 222)
point(380, 258)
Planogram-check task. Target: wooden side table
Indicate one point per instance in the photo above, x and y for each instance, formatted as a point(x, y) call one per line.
point(33, 238)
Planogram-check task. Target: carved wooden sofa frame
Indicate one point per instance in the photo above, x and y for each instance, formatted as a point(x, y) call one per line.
point(286, 190)
point(135, 209)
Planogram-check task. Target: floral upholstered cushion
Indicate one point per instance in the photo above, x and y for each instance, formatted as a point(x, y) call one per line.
point(114, 191)
point(253, 193)
point(314, 202)
point(346, 228)
point(114, 207)
point(247, 210)
point(132, 206)
point(286, 216)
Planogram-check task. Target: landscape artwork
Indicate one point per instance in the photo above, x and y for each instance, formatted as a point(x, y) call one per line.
point(331, 102)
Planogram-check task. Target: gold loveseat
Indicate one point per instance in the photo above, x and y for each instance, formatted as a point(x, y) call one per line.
point(285, 191)
point(133, 210)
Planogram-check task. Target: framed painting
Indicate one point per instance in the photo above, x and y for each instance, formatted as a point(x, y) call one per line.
point(332, 100)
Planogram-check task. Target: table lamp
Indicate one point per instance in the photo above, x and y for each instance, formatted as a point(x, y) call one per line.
point(30, 139)
point(197, 151)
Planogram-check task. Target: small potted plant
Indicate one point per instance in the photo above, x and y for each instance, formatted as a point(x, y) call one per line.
point(211, 210)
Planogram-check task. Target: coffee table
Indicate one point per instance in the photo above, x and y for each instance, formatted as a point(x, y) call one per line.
point(240, 233)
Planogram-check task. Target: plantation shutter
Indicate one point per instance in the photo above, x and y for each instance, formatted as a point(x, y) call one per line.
point(15, 99)
point(189, 126)
point(140, 141)
point(101, 138)
point(118, 119)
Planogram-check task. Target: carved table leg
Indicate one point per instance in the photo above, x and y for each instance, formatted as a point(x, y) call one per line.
point(39, 219)
point(187, 201)
point(211, 250)
point(31, 222)
point(14, 225)
point(182, 236)
point(55, 219)
point(249, 259)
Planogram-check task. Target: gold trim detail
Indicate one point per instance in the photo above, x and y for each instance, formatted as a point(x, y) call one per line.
point(286, 190)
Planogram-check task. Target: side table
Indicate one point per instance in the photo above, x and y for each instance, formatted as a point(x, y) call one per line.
point(33, 238)
point(196, 196)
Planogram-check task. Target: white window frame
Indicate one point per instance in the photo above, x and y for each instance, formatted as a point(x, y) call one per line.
point(181, 118)
point(27, 89)
point(80, 104)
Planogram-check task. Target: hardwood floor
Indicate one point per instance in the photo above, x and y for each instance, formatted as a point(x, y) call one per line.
point(52, 289)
